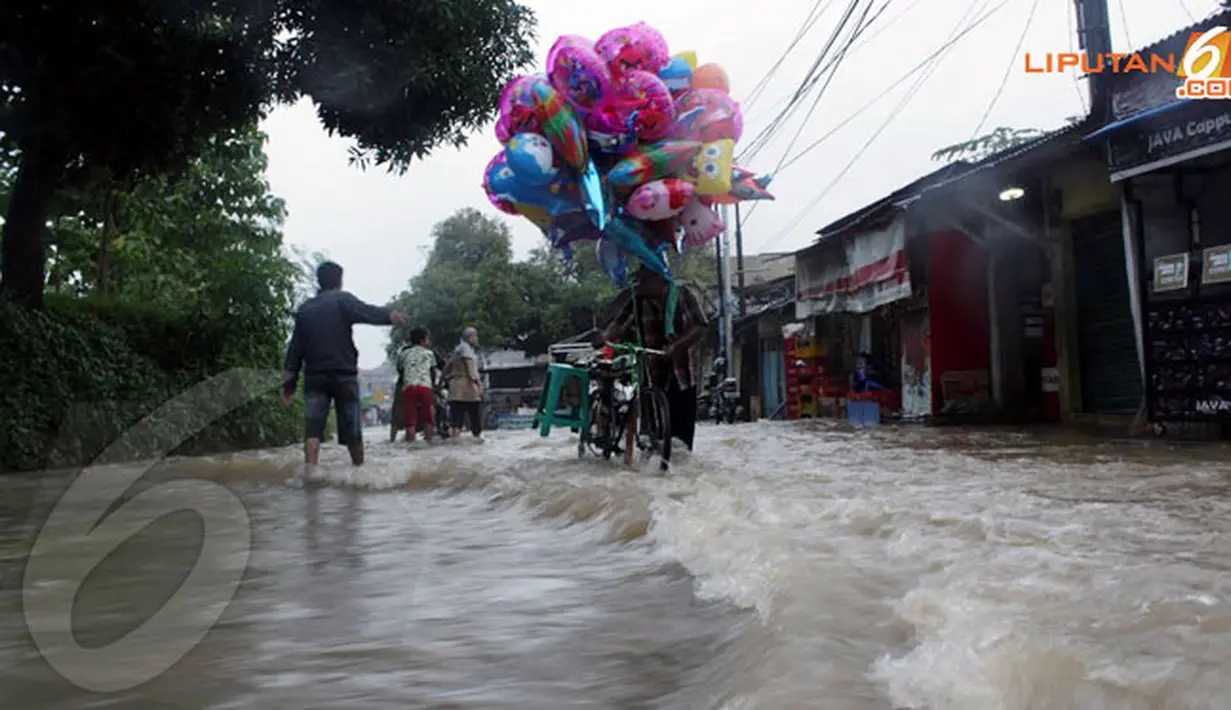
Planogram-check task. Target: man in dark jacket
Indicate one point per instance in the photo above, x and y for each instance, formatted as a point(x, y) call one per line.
point(323, 347)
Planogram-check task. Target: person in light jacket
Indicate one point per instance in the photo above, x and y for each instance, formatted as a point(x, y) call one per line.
point(466, 385)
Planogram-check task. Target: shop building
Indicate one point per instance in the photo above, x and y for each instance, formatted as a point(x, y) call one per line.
point(1172, 160)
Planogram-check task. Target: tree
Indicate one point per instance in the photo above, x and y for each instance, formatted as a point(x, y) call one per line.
point(470, 279)
point(467, 281)
point(175, 239)
point(989, 144)
point(100, 94)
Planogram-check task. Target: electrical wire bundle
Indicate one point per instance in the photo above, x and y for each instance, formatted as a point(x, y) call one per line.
point(925, 69)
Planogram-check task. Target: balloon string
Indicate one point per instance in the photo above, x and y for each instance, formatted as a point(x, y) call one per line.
point(673, 298)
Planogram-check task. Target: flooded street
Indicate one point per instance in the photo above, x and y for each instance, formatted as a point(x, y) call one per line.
point(779, 567)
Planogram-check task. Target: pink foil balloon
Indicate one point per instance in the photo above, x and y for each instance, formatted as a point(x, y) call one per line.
point(714, 116)
point(636, 47)
point(518, 113)
point(645, 99)
point(580, 75)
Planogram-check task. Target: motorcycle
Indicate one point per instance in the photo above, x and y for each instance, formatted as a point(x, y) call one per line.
point(721, 400)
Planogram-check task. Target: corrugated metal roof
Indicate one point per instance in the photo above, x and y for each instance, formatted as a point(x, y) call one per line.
point(1215, 13)
point(1068, 136)
point(876, 209)
point(1135, 92)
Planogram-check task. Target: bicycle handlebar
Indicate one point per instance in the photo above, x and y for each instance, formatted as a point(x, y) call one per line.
point(635, 349)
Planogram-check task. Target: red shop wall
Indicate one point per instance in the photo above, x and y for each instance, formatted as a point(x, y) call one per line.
point(957, 298)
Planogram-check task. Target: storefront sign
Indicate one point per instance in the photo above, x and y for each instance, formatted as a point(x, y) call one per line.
point(1051, 379)
point(1171, 273)
point(1170, 136)
point(1216, 265)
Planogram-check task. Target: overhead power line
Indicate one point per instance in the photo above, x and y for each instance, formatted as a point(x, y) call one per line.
point(749, 152)
point(862, 24)
point(928, 65)
point(927, 61)
point(813, 76)
point(806, 26)
point(1004, 79)
point(1124, 22)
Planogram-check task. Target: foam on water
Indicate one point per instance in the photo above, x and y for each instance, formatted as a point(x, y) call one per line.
point(893, 568)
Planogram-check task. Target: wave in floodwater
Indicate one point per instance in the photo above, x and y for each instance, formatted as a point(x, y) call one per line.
point(779, 566)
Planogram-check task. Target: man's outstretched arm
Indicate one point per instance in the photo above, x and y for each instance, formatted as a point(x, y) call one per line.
point(359, 312)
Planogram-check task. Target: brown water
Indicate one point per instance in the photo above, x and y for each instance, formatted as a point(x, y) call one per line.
point(780, 567)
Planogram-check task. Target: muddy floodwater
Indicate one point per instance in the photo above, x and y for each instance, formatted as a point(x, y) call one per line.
point(778, 567)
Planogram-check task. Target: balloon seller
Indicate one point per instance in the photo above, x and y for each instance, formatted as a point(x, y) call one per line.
point(623, 144)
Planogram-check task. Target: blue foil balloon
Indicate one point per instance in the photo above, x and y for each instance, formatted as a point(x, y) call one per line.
point(677, 75)
point(505, 184)
point(611, 258)
point(631, 241)
point(531, 158)
point(595, 196)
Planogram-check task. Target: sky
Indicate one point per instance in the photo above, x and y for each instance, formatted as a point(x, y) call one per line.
point(378, 225)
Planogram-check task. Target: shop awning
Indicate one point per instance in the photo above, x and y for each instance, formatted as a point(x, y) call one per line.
point(1135, 118)
point(864, 272)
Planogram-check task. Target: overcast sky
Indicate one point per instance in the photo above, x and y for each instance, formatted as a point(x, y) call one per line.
point(377, 226)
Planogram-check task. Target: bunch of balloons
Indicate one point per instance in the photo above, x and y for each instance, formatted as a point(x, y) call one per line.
point(622, 144)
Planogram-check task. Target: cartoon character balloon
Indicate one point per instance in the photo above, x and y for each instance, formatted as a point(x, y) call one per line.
point(518, 113)
point(711, 170)
point(498, 161)
point(622, 143)
point(580, 75)
point(531, 158)
point(701, 224)
point(556, 197)
point(713, 116)
point(660, 199)
point(677, 75)
point(645, 104)
point(636, 47)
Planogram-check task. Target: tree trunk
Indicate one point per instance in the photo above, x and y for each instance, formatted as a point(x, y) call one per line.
point(23, 251)
point(104, 245)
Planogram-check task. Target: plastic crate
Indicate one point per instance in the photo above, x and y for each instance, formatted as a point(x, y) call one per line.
point(863, 412)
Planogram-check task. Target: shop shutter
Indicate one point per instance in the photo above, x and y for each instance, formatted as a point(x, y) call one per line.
point(1110, 372)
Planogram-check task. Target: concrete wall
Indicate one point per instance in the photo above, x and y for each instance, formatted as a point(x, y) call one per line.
point(1078, 187)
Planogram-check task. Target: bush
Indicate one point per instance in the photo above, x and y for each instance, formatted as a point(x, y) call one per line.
point(81, 372)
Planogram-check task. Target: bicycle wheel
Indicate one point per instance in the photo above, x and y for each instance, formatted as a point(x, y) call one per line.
point(593, 433)
point(654, 424)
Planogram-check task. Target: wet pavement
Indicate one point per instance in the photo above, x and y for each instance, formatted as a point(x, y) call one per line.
point(779, 567)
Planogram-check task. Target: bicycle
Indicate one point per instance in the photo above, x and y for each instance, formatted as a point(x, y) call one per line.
point(627, 413)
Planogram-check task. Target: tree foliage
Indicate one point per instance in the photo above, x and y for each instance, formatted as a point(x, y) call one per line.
point(105, 92)
point(153, 286)
point(471, 280)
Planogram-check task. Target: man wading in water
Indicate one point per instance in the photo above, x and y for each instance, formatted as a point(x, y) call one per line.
point(323, 347)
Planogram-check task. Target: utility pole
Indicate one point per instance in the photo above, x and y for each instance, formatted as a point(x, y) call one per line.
point(1094, 38)
point(720, 346)
point(727, 296)
point(739, 262)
